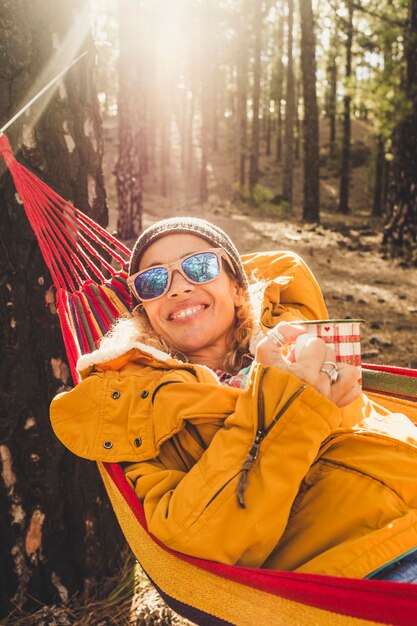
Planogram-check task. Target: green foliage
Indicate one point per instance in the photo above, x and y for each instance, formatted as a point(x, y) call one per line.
point(389, 103)
point(383, 62)
point(257, 196)
point(260, 195)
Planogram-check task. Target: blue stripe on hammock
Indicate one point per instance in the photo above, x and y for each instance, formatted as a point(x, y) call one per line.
point(103, 327)
point(189, 612)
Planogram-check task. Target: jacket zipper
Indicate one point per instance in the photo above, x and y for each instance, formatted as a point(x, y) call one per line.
point(284, 408)
point(158, 387)
point(260, 435)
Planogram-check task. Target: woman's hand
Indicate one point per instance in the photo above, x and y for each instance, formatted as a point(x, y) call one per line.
point(310, 364)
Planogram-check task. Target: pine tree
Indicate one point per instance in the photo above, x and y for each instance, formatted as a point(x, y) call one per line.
point(401, 226)
point(311, 206)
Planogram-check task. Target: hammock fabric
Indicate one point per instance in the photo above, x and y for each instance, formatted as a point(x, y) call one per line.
point(88, 267)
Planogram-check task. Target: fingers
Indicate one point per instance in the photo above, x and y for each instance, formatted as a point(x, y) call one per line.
point(268, 350)
point(309, 363)
point(350, 396)
point(290, 331)
point(285, 334)
point(316, 363)
point(347, 387)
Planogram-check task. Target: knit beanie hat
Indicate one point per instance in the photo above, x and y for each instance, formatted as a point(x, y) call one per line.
point(194, 226)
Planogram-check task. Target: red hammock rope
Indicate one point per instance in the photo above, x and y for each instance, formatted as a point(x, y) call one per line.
point(80, 255)
point(65, 234)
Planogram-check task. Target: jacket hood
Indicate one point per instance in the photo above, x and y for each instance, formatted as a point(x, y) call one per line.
point(120, 347)
point(112, 348)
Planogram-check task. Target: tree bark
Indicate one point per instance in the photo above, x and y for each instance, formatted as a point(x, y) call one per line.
point(346, 156)
point(190, 134)
point(164, 152)
point(204, 150)
point(332, 93)
point(242, 86)
point(311, 207)
point(287, 190)
point(280, 80)
point(401, 225)
point(213, 51)
point(268, 115)
point(377, 207)
point(58, 534)
point(205, 38)
point(297, 138)
point(131, 115)
point(254, 153)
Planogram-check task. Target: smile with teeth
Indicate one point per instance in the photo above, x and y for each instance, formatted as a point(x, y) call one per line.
point(187, 312)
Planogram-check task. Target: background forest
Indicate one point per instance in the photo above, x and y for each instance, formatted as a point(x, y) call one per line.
point(290, 124)
point(226, 100)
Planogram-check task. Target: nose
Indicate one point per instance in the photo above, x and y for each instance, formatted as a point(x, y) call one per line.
point(179, 285)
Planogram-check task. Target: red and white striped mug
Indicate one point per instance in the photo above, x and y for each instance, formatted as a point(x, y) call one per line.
point(342, 335)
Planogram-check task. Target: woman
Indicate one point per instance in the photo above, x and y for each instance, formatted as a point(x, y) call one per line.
point(241, 459)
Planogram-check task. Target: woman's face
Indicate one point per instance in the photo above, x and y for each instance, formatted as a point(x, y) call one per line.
point(194, 319)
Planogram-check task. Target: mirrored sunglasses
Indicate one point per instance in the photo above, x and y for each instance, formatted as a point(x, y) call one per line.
point(197, 268)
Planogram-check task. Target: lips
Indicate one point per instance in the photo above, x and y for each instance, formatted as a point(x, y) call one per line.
point(187, 312)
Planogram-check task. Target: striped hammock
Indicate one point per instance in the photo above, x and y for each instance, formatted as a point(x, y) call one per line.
point(88, 267)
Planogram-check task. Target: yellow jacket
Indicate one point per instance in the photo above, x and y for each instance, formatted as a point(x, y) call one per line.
point(325, 491)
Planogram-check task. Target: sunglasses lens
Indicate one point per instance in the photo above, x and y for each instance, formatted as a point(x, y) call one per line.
point(200, 268)
point(151, 283)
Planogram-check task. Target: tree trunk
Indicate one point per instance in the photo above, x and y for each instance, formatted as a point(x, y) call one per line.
point(192, 70)
point(182, 123)
point(164, 151)
point(345, 165)
point(242, 86)
point(401, 225)
point(311, 207)
point(131, 115)
point(289, 112)
point(254, 154)
point(297, 138)
point(190, 136)
point(377, 208)
point(205, 26)
point(332, 94)
point(58, 533)
point(280, 80)
point(204, 150)
point(268, 122)
point(213, 49)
